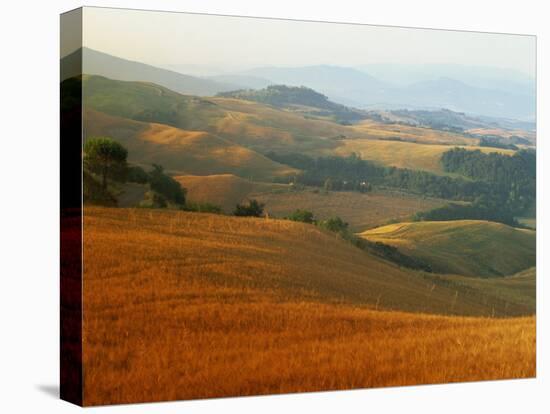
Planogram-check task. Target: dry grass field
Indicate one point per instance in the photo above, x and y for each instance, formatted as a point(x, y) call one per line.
point(251, 124)
point(181, 151)
point(505, 133)
point(182, 305)
point(404, 154)
point(224, 190)
point(260, 126)
point(376, 130)
point(361, 211)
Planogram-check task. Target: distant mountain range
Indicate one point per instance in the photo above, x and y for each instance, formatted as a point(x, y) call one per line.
point(492, 92)
point(112, 67)
point(357, 88)
point(485, 77)
point(344, 85)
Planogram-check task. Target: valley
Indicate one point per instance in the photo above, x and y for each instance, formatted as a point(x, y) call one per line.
point(248, 229)
point(175, 302)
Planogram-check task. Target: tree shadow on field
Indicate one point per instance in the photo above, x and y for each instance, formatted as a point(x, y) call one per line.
point(49, 389)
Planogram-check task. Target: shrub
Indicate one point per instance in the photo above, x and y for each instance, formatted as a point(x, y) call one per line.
point(481, 209)
point(392, 254)
point(137, 174)
point(166, 185)
point(335, 224)
point(253, 209)
point(303, 216)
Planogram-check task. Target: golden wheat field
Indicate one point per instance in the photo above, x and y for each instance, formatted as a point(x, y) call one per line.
point(361, 211)
point(402, 154)
point(505, 133)
point(375, 130)
point(183, 305)
point(182, 151)
point(224, 190)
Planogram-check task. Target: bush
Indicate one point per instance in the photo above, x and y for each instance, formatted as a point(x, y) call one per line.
point(303, 216)
point(253, 209)
point(335, 224)
point(136, 174)
point(166, 185)
point(481, 209)
point(392, 254)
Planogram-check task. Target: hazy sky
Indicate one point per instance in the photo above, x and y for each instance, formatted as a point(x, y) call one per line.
point(160, 38)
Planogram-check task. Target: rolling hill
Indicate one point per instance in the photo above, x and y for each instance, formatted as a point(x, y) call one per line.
point(267, 128)
point(246, 123)
point(361, 211)
point(103, 64)
point(303, 99)
point(387, 131)
point(180, 151)
point(405, 154)
point(347, 86)
point(255, 125)
point(360, 89)
point(285, 258)
point(263, 128)
point(224, 190)
point(344, 85)
point(438, 119)
point(179, 301)
point(521, 285)
point(443, 120)
point(462, 247)
point(148, 102)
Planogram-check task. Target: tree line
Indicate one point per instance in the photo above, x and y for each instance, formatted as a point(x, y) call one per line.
point(352, 173)
point(496, 187)
point(105, 161)
point(511, 178)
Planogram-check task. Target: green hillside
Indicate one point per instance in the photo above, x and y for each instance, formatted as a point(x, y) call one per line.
point(252, 124)
point(94, 62)
point(463, 247)
point(147, 102)
point(300, 98)
point(518, 288)
point(262, 127)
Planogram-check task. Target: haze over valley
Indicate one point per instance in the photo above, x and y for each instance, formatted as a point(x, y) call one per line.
point(353, 205)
